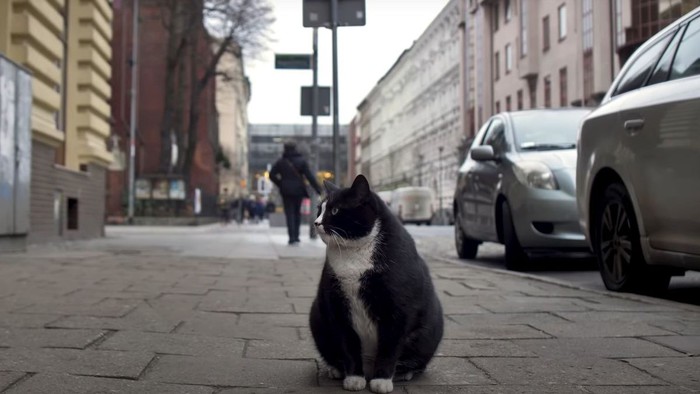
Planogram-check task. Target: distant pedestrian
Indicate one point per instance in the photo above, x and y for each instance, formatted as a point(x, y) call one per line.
point(224, 207)
point(288, 174)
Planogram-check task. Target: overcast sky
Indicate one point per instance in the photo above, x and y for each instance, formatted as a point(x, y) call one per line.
point(365, 54)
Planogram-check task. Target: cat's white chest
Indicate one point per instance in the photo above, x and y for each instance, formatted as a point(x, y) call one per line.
point(349, 264)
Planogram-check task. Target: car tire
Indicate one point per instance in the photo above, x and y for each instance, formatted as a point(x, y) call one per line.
point(515, 256)
point(618, 249)
point(466, 247)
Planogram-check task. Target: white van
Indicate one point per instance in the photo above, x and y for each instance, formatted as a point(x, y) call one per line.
point(385, 196)
point(413, 204)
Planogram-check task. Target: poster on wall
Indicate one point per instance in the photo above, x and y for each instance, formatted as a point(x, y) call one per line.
point(160, 189)
point(143, 189)
point(177, 189)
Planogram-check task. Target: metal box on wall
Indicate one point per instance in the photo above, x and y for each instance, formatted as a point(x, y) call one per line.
point(15, 147)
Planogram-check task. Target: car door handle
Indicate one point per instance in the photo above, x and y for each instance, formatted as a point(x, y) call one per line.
point(634, 124)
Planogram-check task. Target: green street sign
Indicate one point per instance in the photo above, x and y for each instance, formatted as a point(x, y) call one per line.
point(293, 61)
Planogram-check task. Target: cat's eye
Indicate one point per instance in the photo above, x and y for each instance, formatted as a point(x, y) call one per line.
point(334, 211)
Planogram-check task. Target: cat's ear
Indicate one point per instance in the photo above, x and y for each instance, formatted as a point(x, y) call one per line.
point(330, 187)
point(360, 187)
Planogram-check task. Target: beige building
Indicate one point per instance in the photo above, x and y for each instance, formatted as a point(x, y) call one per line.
point(232, 97)
point(66, 46)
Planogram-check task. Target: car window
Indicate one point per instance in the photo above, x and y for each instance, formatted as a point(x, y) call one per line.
point(496, 136)
point(662, 69)
point(687, 61)
point(637, 74)
point(481, 135)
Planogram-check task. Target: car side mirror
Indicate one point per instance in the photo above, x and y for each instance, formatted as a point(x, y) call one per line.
point(483, 153)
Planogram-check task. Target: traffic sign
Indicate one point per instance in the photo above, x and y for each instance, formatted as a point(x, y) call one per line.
point(293, 61)
point(324, 101)
point(317, 13)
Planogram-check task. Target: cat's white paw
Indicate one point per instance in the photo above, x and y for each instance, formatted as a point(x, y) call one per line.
point(334, 373)
point(381, 385)
point(354, 383)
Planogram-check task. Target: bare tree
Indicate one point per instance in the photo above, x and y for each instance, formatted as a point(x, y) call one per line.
point(225, 26)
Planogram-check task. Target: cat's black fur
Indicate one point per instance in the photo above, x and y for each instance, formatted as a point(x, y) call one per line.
point(397, 291)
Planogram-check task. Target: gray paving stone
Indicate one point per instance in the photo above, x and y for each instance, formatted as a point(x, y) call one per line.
point(571, 371)
point(193, 345)
point(591, 329)
point(226, 325)
point(220, 301)
point(301, 305)
point(233, 372)
point(8, 378)
point(482, 348)
point(495, 389)
point(486, 330)
point(41, 337)
point(46, 383)
point(276, 319)
point(636, 390)
point(106, 308)
point(25, 320)
point(510, 304)
point(507, 318)
point(687, 344)
point(461, 305)
point(79, 362)
point(280, 390)
point(595, 348)
point(681, 371)
point(143, 318)
point(304, 349)
point(602, 303)
point(301, 291)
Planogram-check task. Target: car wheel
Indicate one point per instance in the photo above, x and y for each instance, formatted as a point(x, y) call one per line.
point(466, 247)
point(618, 249)
point(516, 259)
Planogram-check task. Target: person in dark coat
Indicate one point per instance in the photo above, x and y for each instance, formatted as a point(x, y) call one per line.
point(288, 175)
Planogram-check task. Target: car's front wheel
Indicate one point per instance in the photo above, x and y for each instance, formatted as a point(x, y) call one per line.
point(617, 246)
point(466, 247)
point(516, 258)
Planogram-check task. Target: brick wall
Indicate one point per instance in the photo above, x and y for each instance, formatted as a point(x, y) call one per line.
point(88, 188)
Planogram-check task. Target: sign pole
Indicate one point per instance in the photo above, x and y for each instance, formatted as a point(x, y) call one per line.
point(314, 130)
point(336, 147)
point(134, 101)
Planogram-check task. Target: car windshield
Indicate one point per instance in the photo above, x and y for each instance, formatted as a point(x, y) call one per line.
point(546, 130)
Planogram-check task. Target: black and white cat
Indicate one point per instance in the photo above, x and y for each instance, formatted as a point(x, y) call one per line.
point(376, 315)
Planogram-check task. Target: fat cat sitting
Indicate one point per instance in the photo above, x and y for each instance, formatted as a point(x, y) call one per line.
point(376, 315)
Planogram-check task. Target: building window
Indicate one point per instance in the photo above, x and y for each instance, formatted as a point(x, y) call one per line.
point(545, 33)
point(533, 95)
point(509, 58)
point(496, 66)
point(72, 211)
point(547, 91)
point(619, 28)
point(563, 88)
point(498, 106)
point(508, 11)
point(495, 16)
point(562, 22)
point(523, 28)
point(587, 28)
point(508, 103)
point(520, 99)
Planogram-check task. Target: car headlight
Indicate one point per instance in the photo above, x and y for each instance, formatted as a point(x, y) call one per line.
point(535, 174)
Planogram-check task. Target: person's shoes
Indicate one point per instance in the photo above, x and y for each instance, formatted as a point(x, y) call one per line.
point(293, 243)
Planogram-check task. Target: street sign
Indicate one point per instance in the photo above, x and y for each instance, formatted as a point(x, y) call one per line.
point(317, 13)
point(324, 101)
point(293, 61)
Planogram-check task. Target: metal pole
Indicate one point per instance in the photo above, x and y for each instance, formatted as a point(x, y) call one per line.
point(440, 185)
point(336, 150)
point(314, 130)
point(134, 100)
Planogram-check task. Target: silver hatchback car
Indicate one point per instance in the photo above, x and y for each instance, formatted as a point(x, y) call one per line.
point(639, 164)
point(517, 186)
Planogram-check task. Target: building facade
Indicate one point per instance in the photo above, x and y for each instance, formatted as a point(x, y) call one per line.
point(66, 46)
point(410, 123)
point(232, 97)
point(266, 144)
point(163, 186)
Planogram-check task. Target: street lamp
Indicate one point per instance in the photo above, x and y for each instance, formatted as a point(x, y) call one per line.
point(440, 216)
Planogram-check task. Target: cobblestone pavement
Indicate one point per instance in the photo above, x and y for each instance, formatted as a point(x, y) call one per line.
point(132, 317)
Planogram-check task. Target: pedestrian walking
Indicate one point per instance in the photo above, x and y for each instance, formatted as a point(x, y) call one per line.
point(224, 207)
point(288, 175)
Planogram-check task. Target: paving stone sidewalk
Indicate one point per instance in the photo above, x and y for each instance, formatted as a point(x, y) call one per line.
point(147, 320)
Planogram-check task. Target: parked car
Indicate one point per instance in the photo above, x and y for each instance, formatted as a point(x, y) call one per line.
point(413, 204)
point(639, 164)
point(517, 186)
